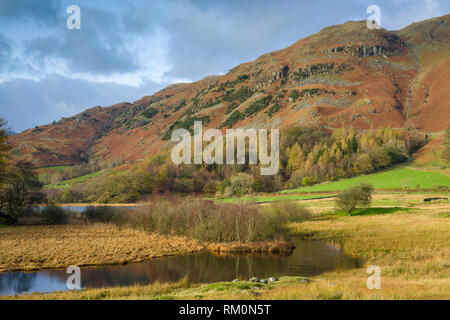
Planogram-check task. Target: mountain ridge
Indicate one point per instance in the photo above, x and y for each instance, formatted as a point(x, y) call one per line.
point(343, 75)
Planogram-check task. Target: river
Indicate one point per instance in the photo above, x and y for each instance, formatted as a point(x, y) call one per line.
point(309, 258)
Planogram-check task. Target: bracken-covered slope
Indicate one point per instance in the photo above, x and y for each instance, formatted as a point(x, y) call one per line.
point(345, 75)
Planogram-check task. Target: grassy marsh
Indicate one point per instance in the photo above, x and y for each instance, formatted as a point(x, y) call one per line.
point(38, 247)
point(410, 247)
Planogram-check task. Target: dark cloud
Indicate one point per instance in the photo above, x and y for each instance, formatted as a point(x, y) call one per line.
point(42, 11)
point(176, 39)
point(100, 46)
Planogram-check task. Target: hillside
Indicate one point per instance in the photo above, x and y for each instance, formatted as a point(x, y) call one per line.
point(344, 75)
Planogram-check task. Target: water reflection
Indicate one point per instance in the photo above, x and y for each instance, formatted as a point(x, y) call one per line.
point(308, 259)
point(81, 209)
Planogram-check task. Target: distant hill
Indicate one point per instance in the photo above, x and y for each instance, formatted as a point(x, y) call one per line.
point(344, 75)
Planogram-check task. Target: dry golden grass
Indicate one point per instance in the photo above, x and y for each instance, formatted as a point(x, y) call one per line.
point(29, 248)
point(411, 248)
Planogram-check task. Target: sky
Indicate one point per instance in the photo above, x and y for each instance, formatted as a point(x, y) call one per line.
point(125, 50)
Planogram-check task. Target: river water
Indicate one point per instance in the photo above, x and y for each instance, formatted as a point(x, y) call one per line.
point(309, 258)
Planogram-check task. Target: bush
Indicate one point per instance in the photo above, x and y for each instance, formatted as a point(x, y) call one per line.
point(354, 197)
point(105, 214)
point(240, 185)
point(278, 216)
point(54, 215)
point(232, 119)
point(231, 107)
point(273, 109)
point(150, 112)
point(294, 95)
point(288, 211)
point(308, 181)
point(7, 220)
point(208, 221)
point(257, 106)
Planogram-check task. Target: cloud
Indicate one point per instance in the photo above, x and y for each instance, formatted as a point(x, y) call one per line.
point(403, 13)
point(27, 103)
point(126, 50)
point(102, 51)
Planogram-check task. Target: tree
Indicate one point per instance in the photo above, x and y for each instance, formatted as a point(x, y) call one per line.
point(446, 153)
point(241, 184)
point(295, 158)
point(355, 197)
point(4, 151)
point(21, 186)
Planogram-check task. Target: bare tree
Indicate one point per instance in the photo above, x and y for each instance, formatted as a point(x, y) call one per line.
point(20, 188)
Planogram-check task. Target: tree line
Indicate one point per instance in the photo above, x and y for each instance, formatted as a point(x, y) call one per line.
point(308, 156)
point(19, 183)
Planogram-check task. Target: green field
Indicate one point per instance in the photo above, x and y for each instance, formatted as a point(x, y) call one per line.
point(399, 178)
point(69, 183)
point(52, 170)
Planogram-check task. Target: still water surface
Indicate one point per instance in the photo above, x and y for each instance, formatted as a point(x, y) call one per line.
point(80, 209)
point(308, 259)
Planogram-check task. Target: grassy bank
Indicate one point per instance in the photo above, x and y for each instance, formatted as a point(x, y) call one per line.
point(38, 247)
point(410, 247)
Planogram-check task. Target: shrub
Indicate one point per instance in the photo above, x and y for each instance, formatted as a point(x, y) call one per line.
point(232, 119)
point(105, 214)
point(208, 221)
point(273, 109)
point(257, 106)
point(150, 112)
point(308, 181)
point(278, 216)
point(240, 185)
point(289, 211)
point(296, 179)
point(354, 197)
point(294, 95)
point(7, 220)
point(181, 105)
point(231, 107)
point(54, 215)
